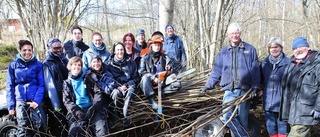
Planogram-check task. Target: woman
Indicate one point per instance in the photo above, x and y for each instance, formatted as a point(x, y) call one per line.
point(124, 70)
point(151, 65)
point(272, 68)
point(97, 47)
point(83, 100)
point(25, 89)
point(128, 41)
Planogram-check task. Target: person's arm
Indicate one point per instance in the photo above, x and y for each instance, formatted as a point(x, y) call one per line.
point(143, 64)
point(183, 54)
point(69, 103)
point(216, 72)
point(134, 78)
point(255, 69)
point(10, 88)
point(40, 91)
point(50, 88)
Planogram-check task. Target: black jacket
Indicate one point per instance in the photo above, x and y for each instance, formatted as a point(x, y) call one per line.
point(125, 71)
point(74, 48)
point(146, 64)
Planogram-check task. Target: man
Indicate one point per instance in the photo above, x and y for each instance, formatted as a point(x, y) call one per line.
point(237, 68)
point(174, 49)
point(75, 47)
point(55, 71)
point(300, 101)
point(141, 43)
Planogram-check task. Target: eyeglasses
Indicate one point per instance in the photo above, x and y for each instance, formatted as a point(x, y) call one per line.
point(56, 48)
point(234, 33)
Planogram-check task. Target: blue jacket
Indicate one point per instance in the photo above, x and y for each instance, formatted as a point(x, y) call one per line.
point(88, 54)
point(248, 68)
point(174, 49)
point(271, 79)
point(24, 82)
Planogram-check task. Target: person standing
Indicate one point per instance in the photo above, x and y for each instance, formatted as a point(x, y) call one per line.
point(55, 72)
point(272, 69)
point(300, 101)
point(75, 47)
point(97, 47)
point(83, 100)
point(174, 49)
point(141, 43)
point(25, 90)
point(237, 68)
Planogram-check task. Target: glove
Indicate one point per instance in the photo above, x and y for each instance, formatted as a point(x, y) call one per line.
point(203, 89)
point(253, 93)
point(81, 115)
point(316, 114)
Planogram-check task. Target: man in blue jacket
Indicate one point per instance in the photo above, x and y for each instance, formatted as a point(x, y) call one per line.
point(237, 68)
point(174, 49)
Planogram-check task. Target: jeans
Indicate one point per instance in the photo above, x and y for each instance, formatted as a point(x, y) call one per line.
point(239, 123)
point(274, 125)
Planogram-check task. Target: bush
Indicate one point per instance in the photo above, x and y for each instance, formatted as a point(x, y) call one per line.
point(7, 54)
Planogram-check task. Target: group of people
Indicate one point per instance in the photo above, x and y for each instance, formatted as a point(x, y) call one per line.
point(291, 86)
point(81, 86)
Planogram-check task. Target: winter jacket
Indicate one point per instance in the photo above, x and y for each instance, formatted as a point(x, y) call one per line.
point(24, 82)
point(88, 54)
point(74, 48)
point(93, 92)
point(248, 68)
point(146, 64)
point(174, 49)
point(55, 72)
point(296, 105)
point(271, 79)
point(104, 79)
point(125, 72)
point(139, 47)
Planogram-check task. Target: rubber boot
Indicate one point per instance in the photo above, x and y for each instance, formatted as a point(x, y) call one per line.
point(153, 102)
point(282, 135)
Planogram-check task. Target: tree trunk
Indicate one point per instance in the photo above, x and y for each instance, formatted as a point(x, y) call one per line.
point(165, 13)
point(105, 13)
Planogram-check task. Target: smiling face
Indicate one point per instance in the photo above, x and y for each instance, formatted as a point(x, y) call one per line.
point(119, 52)
point(26, 52)
point(156, 47)
point(140, 38)
point(56, 48)
point(96, 64)
point(97, 40)
point(76, 68)
point(77, 35)
point(275, 50)
point(128, 43)
point(234, 36)
point(170, 31)
point(300, 52)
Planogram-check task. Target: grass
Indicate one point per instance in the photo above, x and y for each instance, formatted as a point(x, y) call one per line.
point(3, 80)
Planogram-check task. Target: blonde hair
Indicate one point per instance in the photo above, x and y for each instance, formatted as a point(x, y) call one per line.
point(74, 60)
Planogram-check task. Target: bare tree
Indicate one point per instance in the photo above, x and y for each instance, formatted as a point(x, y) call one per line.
point(165, 13)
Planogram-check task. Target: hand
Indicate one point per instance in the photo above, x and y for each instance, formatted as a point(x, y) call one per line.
point(34, 105)
point(114, 94)
point(253, 93)
point(81, 115)
point(168, 67)
point(12, 112)
point(316, 114)
point(122, 88)
point(155, 80)
point(203, 89)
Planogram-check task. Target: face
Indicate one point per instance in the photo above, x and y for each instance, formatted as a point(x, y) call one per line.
point(97, 40)
point(170, 31)
point(156, 47)
point(77, 35)
point(96, 64)
point(75, 68)
point(234, 36)
point(26, 52)
point(128, 43)
point(300, 52)
point(275, 50)
point(119, 52)
point(56, 48)
point(140, 38)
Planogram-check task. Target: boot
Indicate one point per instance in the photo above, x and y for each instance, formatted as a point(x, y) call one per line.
point(153, 102)
point(276, 135)
point(282, 135)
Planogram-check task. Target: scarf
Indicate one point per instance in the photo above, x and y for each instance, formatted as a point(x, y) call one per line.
point(275, 61)
point(100, 49)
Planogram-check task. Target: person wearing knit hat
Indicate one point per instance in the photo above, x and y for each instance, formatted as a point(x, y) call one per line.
point(174, 49)
point(75, 46)
point(140, 43)
point(153, 63)
point(55, 71)
point(300, 97)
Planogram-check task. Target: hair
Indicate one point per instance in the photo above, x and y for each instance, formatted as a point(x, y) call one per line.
point(96, 33)
point(150, 47)
point(274, 40)
point(74, 60)
point(76, 27)
point(234, 26)
point(24, 42)
point(130, 35)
